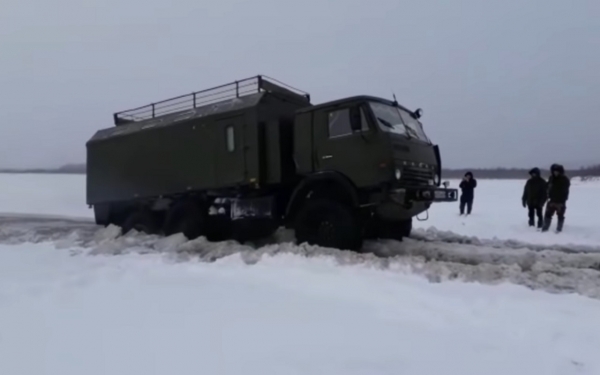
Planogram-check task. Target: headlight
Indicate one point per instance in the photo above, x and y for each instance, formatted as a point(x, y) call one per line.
point(398, 174)
point(436, 178)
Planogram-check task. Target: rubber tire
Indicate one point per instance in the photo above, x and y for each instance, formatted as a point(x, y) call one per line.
point(392, 230)
point(405, 227)
point(253, 229)
point(142, 221)
point(218, 228)
point(345, 229)
point(187, 219)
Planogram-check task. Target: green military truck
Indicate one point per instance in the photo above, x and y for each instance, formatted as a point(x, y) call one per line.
point(240, 160)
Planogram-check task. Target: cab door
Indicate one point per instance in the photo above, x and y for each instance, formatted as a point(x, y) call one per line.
point(346, 142)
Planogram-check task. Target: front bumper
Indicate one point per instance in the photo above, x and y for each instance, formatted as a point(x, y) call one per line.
point(423, 194)
point(407, 202)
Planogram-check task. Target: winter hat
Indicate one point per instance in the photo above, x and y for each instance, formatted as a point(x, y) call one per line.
point(535, 171)
point(557, 167)
point(469, 174)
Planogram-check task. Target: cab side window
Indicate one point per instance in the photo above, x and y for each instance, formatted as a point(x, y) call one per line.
point(341, 121)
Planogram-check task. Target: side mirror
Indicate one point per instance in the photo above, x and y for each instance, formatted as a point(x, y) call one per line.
point(418, 113)
point(446, 184)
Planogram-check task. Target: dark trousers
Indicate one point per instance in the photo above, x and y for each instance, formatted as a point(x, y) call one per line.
point(468, 202)
point(555, 208)
point(533, 211)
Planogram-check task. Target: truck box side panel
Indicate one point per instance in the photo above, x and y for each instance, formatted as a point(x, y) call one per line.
point(208, 148)
point(160, 161)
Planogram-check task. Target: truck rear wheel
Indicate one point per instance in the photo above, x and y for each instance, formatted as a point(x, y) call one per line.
point(142, 221)
point(328, 223)
point(188, 219)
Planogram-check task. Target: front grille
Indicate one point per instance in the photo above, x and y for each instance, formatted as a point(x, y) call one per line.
point(416, 176)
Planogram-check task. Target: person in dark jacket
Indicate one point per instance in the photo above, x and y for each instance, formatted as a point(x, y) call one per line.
point(467, 186)
point(534, 197)
point(558, 194)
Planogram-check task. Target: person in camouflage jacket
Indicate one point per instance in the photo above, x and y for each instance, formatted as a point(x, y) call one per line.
point(558, 194)
point(534, 197)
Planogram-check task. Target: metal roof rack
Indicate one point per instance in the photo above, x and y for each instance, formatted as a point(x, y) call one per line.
point(213, 95)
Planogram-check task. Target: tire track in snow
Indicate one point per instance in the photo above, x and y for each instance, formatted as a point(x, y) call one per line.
point(548, 268)
point(434, 235)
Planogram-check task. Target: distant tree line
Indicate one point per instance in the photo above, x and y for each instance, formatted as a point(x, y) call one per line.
point(483, 173)
point(516, 173)
point(65, 169)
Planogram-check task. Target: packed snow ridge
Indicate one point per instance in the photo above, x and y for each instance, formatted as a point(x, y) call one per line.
point(552, 270)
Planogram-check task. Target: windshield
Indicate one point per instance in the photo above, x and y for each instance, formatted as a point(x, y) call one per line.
point(398, 120)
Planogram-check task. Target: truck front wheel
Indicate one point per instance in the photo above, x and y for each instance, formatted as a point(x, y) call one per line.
point(392, 230)
point(328, 223)
point(406, 227)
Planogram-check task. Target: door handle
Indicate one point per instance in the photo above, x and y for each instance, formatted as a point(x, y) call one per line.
point(326, 156)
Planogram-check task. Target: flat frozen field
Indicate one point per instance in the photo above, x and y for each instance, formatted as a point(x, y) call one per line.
point(484, 294)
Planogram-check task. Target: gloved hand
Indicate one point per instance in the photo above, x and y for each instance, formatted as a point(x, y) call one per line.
point(524, 203)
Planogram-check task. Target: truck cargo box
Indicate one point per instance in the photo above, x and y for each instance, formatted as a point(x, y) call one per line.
point(229, 136)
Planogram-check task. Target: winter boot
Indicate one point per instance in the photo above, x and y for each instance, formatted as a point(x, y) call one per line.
point(531, 223)
point(559, 225)
point(540, 224)
point(547, 223)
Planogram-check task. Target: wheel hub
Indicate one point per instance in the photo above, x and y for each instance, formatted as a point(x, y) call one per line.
point(326, 230)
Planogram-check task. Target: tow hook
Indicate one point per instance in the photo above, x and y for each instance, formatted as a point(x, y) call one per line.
point(426, 218)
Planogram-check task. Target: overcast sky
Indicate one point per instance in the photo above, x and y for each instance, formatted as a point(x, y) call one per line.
point(501, 82)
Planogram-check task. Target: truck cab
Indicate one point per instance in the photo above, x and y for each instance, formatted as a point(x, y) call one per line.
point(377, 148)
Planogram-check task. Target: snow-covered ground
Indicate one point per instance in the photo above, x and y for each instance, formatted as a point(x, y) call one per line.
point(48, 194)
point(498, 213)
point(68, 305)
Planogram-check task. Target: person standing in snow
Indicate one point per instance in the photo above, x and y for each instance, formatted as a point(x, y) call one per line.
point(558, 194)
point(534, 197)
point(467, 187)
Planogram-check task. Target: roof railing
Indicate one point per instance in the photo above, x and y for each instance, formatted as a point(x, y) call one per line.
point(213, 95)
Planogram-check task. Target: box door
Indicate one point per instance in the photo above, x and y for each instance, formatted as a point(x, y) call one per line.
point(229, 153)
